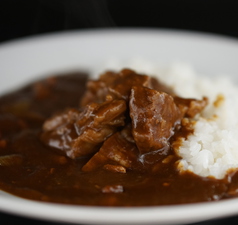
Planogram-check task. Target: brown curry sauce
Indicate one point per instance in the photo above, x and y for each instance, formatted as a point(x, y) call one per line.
point(31, 169)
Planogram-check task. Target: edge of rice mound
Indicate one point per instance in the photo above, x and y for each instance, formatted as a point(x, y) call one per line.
point(212, 150)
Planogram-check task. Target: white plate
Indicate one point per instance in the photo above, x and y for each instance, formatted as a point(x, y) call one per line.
point(27, 59)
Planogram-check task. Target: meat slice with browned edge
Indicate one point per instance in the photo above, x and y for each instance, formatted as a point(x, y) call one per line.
point(117, 154)
point(154, 116)
point(81, 134)
point(125, 122)
point(118, 85)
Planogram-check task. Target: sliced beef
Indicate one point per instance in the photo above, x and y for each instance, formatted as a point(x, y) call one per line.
point(116, 151)
point(96, 92)
point(126, 122)
point(65, 117)
point(59, 131)
point(190, 107)
point(154, 116)
point(118, 85)
point(96, 124)
point(80, 133)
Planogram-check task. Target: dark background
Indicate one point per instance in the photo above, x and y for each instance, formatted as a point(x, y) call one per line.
point(19, 18)
point(24, 18)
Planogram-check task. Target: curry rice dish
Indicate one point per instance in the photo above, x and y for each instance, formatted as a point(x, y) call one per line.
point(124, 139)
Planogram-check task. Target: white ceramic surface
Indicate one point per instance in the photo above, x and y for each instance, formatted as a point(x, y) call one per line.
point(24, 60)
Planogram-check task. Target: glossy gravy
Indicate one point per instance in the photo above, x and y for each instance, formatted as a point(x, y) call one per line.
point(33, 170)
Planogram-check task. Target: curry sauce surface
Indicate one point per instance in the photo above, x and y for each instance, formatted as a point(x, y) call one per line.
point(32, 170)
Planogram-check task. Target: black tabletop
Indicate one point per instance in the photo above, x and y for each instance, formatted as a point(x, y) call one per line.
point(18, 220)
point(23, 18)
point(20, 18)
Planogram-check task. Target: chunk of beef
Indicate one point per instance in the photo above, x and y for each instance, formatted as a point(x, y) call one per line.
point(154, 116)
point(116, 150)
point(68, 116)
point(127, 133)
point(96, 124)
point(118, 85)
point(59, 131)
point(126, 122)
point(190, 107)
point(96, 92)
point(81, 133)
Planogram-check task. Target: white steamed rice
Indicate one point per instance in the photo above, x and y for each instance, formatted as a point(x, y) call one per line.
point(213, 148)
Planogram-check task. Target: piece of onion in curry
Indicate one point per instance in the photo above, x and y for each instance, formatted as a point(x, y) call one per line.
point(106, 142)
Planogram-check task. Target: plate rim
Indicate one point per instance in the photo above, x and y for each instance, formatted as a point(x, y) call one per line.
point(116, 211)
point(122, 31)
